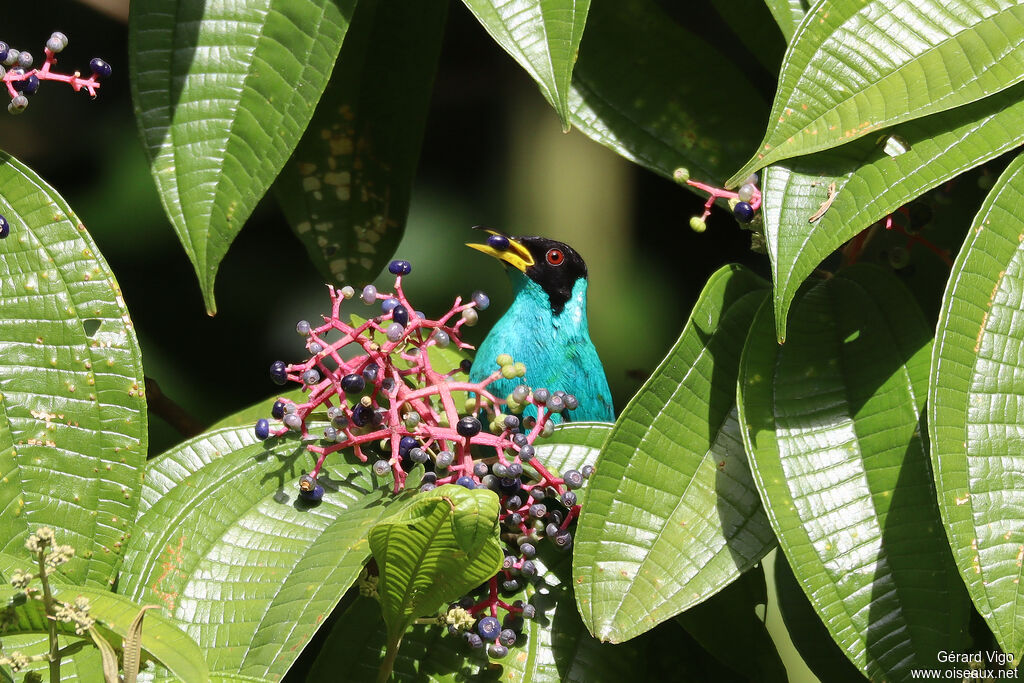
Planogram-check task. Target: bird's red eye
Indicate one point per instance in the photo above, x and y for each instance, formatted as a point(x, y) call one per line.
point(555, 257)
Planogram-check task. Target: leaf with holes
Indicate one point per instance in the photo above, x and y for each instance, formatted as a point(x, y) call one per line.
point(871, 182)
point(345, 191)
point(439, 545)
point(634, 91)
point(832, 421)
point(238, 561)
point(788, 15)
point(543, 36)
point(73, 437)
point(856, 66)
point(223, 92)
point(975, 414)
point(672, 514)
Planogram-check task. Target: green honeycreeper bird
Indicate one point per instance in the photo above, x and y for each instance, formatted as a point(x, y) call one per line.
point(546, 325)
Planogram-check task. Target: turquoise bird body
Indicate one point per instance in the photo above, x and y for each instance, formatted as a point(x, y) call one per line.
point(546, 325)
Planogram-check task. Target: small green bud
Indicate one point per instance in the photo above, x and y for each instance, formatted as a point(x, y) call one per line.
point(697, 224)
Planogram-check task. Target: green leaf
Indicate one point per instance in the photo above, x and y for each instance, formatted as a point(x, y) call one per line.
point(764, 46)
point(832, 422)
point(974, 408)
point(727, 623)
point(433, 550)
point(871, 184)
point(788, 15)
point(73, 428)
point(108, 655)
point(239, 562)
point(856, 66)
point(345, 191)
point(223, 91)
point(636, 91)
point(672, 514)
point(162, 638)
point(543, 36)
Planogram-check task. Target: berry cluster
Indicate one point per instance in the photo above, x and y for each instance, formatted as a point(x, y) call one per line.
point(391, 404)
point(744, 202)
point(23, 81)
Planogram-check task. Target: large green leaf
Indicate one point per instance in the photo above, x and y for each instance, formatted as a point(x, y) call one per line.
point(223, 91)
point(432, 550)
point(543, 654)
point(975, 416)
point(832, 423)
point(788, 15)
point(345, 191)
point(856, 66)
point(73, 427)
point(870, 183)
point(636, 91)
point(161, 637)
point(242, 565)
point(672, 514)
point(543, 36)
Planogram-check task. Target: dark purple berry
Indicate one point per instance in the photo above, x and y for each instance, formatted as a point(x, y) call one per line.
point(480, 469)
point(361, 414)
point(406, 443)
point(353, 384)
point(528, 569)
point(398, 267)
point(466, 365)
point(4, 49)
point(528, 550)
point(100, 68)
point(573, 479)
point(30, 85)
point(529, 612)
point(262, 429)
point(466, 481)
point(313, 495)
point(370, 373)
point(279, 372)
point(507, 637)
point(568, 499)
point(277, 412)
point(489, 628)
point(551, 529)
point(515, 469)
point(744, 212)
point(498, 242)
point(400, 314)
point(468, 426)
point(5, 228)
point(563, 539)
point(538, 510)
point(496, 651)
point(474, 641)
point(511, 585)
point(508, 562)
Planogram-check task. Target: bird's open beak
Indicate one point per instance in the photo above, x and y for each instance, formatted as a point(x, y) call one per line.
point(516, 255)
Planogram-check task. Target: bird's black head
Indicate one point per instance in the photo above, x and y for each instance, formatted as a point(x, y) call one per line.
point(555, 266)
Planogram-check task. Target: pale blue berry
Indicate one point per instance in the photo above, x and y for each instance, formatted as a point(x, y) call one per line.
point(369, 294)
point(481, 300)
point(394, 332)
point(302, 327)
point(381, 467)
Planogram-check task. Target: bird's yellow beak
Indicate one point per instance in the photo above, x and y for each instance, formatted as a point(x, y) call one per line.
point(516, 255)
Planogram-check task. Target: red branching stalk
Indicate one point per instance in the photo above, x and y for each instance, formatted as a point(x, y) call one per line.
point(45, 73)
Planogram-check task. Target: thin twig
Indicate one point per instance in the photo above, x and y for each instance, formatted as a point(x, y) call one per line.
point(172, 413)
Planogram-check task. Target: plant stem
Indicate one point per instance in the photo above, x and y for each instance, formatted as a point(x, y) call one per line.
point(51, 613)
point(388, 665)
point(171, 412)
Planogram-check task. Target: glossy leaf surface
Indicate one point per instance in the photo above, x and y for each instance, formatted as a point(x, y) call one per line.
point(243, 565)
point(869, 183)
point(672, 513)
point(833, 425)
point(543, 36)
point(975, 416)
point(223, 91)
point(74, 427)
point(856, 66)
point(788, 15)
point(346, 189)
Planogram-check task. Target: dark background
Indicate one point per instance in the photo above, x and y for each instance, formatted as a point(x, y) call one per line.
point(494, 154)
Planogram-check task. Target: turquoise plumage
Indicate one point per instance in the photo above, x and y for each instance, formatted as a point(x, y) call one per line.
point(546, 326)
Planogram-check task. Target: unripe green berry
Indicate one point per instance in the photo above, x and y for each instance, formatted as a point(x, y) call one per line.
point(697, 224)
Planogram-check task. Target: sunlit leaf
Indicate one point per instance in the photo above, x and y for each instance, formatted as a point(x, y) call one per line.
point(74, 428)
point(869, 183)
point(223, 91)
point(975, 418)
point(672, 515)
point(857, 66)
point(543, 36)
point(833, 426)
